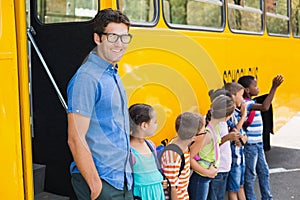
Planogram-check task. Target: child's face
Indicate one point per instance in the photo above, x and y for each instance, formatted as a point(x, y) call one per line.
point(152, 124)
point(253, 88)
point(238, 98)
point(202, 133)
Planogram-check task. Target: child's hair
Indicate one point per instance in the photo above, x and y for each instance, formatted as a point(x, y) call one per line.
point(214, 94)
point(188, 124)
point(139, 113)
point(246, 81)
point(233, 87)
point(222, 106)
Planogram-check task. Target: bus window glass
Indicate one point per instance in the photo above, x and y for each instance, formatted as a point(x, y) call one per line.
point(296, 17)
point(57, 11)
point(138, 11)
point(245, 15)
point(277, 17)
point(204, 14)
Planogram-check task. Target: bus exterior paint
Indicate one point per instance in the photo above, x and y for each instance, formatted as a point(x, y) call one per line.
point(170, 69)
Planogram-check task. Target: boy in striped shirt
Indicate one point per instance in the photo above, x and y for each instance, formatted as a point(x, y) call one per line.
point(254, 153)
point(187, 126)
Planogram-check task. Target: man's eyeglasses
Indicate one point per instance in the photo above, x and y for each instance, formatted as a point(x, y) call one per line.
point(203, 133)
point(112, 37)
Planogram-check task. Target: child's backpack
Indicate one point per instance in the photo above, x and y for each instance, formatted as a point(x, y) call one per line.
point(173, 147)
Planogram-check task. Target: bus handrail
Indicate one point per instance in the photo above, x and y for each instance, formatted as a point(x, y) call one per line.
point(216, 2)
point(29, 31)
point(278, 16)
point(245, 8)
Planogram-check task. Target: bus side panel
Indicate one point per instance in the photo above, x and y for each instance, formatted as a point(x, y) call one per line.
point(24, 98)
point(11, 172)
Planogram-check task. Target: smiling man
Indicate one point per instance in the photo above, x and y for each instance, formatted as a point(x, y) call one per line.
point(98, 121)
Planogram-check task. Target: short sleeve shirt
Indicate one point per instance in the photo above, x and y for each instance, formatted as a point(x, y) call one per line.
point(170, 163)
point(96, 91)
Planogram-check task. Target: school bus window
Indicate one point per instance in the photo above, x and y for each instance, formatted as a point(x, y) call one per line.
point(138, 11)
point(245, 15)
point(277, 17)
point(57, 11)
point(296, 17)
point(199, 13)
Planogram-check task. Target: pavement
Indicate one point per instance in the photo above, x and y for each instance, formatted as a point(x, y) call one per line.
point(284, 162)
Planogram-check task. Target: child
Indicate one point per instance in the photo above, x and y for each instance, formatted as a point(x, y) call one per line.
point(187, 126)
point(147, 177)
point(235, 183)
point(222, 108)
point(254, 153)
point(217, 186)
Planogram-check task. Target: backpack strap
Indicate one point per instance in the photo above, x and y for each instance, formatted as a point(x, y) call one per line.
point(177, 149)
point(153, 150)
point(250, 118)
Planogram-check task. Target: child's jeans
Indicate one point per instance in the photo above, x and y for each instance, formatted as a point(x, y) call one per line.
point(256, 164)
point(217, 186)
point(198, 187)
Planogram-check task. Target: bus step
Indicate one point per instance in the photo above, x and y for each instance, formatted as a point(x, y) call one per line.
point(49, 196)
point(39, 177)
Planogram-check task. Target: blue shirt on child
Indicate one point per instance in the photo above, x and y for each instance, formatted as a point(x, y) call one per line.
point(238, 157)
point(255, 130)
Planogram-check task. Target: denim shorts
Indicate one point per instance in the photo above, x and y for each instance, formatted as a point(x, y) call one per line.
point(235, 178)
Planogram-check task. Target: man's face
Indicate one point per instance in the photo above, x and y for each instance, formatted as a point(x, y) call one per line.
point(108, 51)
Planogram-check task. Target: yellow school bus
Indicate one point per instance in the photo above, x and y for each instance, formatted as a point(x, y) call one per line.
point(180, 50)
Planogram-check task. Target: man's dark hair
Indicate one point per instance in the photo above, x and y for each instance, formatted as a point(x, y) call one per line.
point(106, 16)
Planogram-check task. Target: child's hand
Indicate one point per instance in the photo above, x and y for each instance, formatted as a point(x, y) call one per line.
point(238, 143)
point(165, 184)
point(212, 171)
point(277, 81)
point(233, 135)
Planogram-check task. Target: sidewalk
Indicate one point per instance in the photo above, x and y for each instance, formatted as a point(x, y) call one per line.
point(288, 136)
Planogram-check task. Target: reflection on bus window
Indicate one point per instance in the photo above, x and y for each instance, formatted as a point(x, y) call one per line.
point(277, 17)
point(198, 13)
point(56, 11)
point(245, 15)
point(296, 17)
point(138, 10)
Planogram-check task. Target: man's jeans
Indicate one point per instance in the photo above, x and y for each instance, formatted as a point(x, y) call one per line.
point(256, 164)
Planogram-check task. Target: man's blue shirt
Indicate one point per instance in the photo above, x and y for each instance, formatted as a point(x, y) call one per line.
point(96, 92)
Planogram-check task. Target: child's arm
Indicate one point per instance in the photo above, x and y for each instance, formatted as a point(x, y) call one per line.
point(267, 102)
point(232, 136)
point(240, 123)
point(197, 145)
point(174, 193)
point(211, 172)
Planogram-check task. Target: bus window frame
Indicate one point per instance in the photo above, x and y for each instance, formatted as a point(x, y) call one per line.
point(247, 8)
point(35, 6)
point(194, 27)
point(291, 23)
point(281, 16)
point(152, 24)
